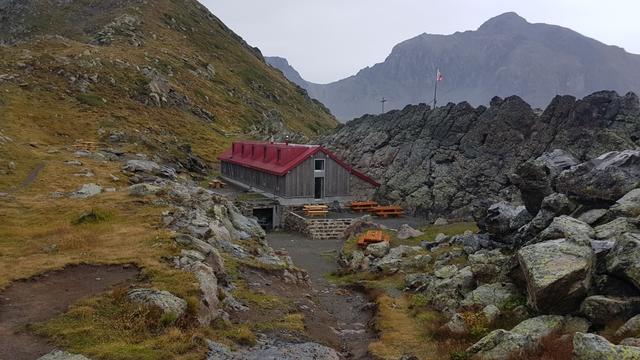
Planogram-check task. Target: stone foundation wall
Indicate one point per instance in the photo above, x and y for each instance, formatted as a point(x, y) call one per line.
point(320, 229)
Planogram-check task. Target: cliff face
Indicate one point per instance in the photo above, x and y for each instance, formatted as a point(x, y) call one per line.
point(505, 56)
point(457, 159)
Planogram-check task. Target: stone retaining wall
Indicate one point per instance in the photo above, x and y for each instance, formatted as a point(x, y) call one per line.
point(321, 229)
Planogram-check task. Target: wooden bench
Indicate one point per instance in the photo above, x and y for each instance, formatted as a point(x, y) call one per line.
point(362, 206)
point(386, 211)
point(217, 184)
point(372, 237)
point(316, 210)
point(88, 145)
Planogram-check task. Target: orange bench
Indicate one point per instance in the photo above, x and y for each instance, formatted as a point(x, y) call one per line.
point(316, 210)
point(386, 211)
point(360, 206)
point(372, 237)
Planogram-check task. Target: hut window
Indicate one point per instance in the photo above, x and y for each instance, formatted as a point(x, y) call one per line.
point(319, 165)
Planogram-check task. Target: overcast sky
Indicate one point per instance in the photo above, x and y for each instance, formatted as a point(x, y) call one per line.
point(327, 40)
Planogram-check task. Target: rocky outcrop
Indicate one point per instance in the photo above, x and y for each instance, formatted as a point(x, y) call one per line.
point(456, 160)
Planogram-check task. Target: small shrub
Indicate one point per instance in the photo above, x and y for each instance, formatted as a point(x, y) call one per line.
point(418, 301)
point(514, 302)
point(459, 355)
point(168, 319)
point(92, 217)
point(91, 100)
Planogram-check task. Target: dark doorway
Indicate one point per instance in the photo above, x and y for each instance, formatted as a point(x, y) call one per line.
point(319, 188)
point(265, 217)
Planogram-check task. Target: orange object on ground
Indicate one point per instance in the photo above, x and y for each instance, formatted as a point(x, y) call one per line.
point(385, 211)
point(217, 184)
point(359, 206)
point(372, 237)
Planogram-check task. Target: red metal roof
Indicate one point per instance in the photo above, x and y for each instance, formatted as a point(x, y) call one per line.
point(279, 158)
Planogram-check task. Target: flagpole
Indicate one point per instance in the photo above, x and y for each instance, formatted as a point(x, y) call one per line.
point(435, 91)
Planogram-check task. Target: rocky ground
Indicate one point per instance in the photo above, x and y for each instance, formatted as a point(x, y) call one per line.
point(456, 160)
point(555, 278)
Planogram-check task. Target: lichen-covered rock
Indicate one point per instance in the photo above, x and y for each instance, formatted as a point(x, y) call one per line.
point(274, 350)
point(564, 227)
point(628, 205)
point(166, 301)
point(630, 329)
point(87, 191)
point(624, 258)
point(377, 250)
point(614, 228)
point(558, 274)
point(602, 309)
point(605, 178)
point(592, 216)
point(525, 338)
point(407, 232)
point(501, 345)
point(595, 347)
point(143, 189)
point(497, 294)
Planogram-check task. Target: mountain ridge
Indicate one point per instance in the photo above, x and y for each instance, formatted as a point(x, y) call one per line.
point(505, 56)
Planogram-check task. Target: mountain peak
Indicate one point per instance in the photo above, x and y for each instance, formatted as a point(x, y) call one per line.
point(508, 20)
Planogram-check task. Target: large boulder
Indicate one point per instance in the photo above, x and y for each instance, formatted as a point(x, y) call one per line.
point(615, 228)
point(604, 179)
point(164, 300)
point(628, 205)
point(630, 329)
point(558, 274)
point(595, 347)
point(534, 178)
point(524, 339)
point(498, 294)
point(503, 218)
point(566, 227)
point(601, 310)
point(624, 258)
point(377, 250)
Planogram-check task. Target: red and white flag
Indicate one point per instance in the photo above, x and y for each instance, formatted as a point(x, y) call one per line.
point(439, 76)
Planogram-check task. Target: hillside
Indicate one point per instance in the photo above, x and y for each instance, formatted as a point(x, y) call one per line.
point(159, 74)
point(503, 57)
point(457, 159)
point(112, 114)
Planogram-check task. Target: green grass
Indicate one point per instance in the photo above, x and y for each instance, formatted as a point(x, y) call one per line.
point(430, 232)
point(91, 100)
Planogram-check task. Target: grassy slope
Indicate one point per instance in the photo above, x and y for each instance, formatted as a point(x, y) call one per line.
point(45, 114)
point(41, 105)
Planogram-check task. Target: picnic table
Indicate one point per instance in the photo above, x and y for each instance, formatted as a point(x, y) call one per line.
point(360, 206)
point(316, 210)
point(386, 211)
point(372, 237)
point(217, 184)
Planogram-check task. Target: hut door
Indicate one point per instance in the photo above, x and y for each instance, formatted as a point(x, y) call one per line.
point(319, 188)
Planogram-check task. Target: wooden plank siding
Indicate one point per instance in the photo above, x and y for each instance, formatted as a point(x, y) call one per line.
point(254, 178)
point(299, 182)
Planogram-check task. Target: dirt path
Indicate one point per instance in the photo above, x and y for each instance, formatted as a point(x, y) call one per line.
point(33, 175)
point(347, 307)
point(45, 296)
